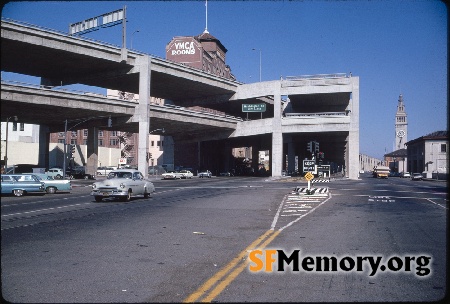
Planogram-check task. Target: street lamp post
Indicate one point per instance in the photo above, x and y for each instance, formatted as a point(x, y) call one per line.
point(259, 63)
point(6, 141)
point(131, 42)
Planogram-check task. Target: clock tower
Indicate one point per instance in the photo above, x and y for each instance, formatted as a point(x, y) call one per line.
point(401, 125)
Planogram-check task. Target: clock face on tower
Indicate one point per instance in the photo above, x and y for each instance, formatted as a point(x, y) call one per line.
point(401, 133)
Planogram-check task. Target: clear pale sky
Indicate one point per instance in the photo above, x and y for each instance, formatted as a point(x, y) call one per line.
point(394, 47)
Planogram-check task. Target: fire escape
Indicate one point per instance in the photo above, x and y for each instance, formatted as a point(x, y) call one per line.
point(127, 143)
point(127, 138)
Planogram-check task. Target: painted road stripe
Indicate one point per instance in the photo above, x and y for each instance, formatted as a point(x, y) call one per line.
point(230, 278)
point(228, 273)
point(202, 290)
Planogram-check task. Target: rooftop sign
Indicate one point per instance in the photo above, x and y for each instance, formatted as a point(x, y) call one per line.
point(95, 23)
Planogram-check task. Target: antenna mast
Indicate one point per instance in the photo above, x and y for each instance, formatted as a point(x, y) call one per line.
point(206, 27)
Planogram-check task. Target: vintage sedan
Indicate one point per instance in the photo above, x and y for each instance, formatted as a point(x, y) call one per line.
point(171, 175)
point(417, 176)
point(206, 173)
point(19, 184)
point(122, 184)
point(186, 174)
point(52, 185)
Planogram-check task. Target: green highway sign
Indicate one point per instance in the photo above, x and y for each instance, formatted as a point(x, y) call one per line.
point(259, 107)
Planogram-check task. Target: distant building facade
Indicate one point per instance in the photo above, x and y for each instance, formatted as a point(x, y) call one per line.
point(366, 162)
point(204, 52)
point(429, 155)
point(397, 160)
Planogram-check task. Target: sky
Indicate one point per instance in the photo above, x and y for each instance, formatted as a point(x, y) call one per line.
point(394, 47)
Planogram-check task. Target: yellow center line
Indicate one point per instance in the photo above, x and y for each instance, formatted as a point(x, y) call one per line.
point(230, 278)
point(220, 274)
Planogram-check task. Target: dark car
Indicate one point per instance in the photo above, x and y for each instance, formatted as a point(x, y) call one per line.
point(79, 174)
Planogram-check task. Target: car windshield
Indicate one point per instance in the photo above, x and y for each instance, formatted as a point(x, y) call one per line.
point(118, 174)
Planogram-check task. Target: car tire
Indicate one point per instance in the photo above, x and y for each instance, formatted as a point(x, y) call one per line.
point(51, 190)
point(98, 198)
point(86, 177)
point(58, 176)
point(146, 194)
point(18, 192)
point(128, 197)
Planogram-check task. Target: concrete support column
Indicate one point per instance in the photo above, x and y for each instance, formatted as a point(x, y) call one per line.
point(226, 157)
point(168, 155)
point(44, 147)
point(291, 154)
point(277, 137)
point(255, 157)
point(353, 135)
point(143, 112)
point(92, 151)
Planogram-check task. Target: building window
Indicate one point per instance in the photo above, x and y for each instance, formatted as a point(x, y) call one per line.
point(113, 141)
point(22, 126)
point(85, 132)
point(100, 142)
point(153, 143)
point(443, 148)
point(100, 133)
point(60, 134)
point(73, 141)
point(61, 141)
point(14, 126)
point(84, 141)
point(74, 133)
point(114, 133)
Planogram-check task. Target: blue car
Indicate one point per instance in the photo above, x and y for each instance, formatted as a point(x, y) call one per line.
point(52, 185)
point(19, 184)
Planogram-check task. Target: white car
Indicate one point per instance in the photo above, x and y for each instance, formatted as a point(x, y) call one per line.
point(123, 184)
point(206, 173)
point(186, 174)
point(56, 173)
point(171, 175)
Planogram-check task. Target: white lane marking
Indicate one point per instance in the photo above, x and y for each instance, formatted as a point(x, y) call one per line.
point(436, 203)
point(46, 209)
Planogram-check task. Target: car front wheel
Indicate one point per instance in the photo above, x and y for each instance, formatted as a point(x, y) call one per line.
point(98, 198)
point(51, 190)
point(18, 192)
point(127, 198)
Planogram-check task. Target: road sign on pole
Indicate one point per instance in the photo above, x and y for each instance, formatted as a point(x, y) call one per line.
point(309, 176)
point(260, 107)
point(309, 165)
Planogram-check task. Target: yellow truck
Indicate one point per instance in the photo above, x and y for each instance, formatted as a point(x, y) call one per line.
point(381, 171)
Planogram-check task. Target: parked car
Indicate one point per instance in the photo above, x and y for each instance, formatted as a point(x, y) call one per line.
point(79, 174)
point(206, 173)
point(122, 184)
point(186, 174)
point(105, 170)
point(19, 184)
point(226, 174)
point(52, 185)
point(171, 175)
point(406, 174)
point(417, 176)
point(56, 173)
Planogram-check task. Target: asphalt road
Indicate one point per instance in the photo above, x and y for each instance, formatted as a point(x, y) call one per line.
point(191, 240)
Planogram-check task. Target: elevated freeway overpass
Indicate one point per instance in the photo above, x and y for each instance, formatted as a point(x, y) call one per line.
point(320, 107)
